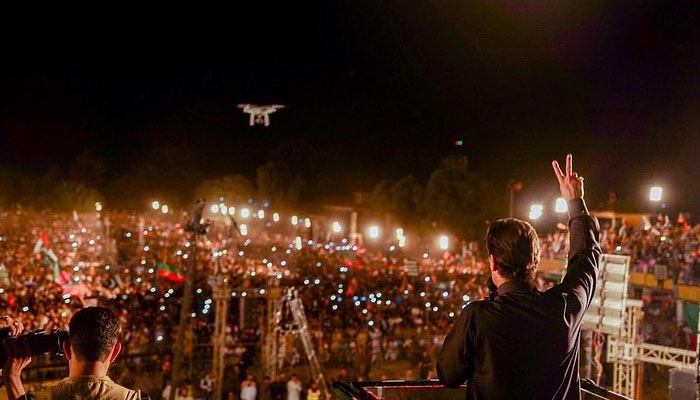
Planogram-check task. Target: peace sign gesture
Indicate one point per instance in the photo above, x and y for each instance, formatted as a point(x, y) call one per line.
point(570, 184)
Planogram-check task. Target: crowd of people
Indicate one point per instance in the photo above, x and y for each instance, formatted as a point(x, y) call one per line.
point(367, 307)
point(662, 246)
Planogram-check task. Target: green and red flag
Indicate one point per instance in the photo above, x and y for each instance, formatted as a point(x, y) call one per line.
point(42, 247)
point(170, 273)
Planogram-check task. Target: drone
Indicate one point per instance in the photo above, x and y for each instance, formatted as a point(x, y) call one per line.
point(260, 114)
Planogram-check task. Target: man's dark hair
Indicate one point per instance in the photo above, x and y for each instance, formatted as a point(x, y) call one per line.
point(93, 333)
point(515, 246)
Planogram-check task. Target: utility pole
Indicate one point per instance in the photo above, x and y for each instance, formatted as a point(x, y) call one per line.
point(513, 186)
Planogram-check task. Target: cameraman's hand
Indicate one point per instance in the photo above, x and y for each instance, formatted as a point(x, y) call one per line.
point(15, 325)
point(17, 359)
point(570, 184)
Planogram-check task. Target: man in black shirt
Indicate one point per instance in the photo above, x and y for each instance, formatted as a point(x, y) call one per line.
point(524, 344)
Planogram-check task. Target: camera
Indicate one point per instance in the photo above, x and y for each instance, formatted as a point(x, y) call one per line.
point(36, 342)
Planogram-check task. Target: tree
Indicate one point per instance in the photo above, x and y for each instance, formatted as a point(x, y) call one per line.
point(71, 195)
point(459, 201)
point(167, 175)
point(279, 185)
point(8, 188)
point(86, 168)
point(234, 188)
point(400, 200)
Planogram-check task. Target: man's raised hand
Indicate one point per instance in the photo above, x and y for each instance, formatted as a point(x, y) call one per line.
point(570, 183)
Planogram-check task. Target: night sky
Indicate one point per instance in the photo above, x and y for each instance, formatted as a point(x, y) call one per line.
point(373, 90)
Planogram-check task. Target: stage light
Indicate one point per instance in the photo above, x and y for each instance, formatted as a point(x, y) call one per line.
point(535, 211)
point(655, 193)
point(244, 229)
point(155, 205)
point(261, 214)
point(214, 208)
point(444, 242)
point(560, 206)
point(98, 206)
point(295, 220)
point(245, 213)
point(307, 222)
point(231, 210)
point(374, 231)
point(336, 227)
point(276, 217)
point(164, 208)
point(399, 233)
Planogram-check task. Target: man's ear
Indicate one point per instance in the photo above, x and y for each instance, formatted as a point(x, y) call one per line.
point(66, 349)
point(492, 263)
point(115, 352)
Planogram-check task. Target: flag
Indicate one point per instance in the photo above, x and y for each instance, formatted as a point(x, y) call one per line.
point(50, 258)
point(170, 273)
point(76, 289)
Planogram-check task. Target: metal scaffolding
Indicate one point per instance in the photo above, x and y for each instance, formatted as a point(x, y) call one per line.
point(222, 296)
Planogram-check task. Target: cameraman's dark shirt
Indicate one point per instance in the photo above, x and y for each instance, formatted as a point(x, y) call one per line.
point(524, 344)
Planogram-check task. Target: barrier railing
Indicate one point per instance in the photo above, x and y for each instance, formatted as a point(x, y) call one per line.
point(432, 389)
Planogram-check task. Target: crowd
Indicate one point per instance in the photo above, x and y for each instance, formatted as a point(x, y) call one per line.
point(367, 307)
point(662, 247)
point(659, 246)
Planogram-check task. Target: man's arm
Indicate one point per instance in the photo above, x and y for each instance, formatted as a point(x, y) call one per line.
point(584, 254)
point(584, 250)
point(456, 361)
point(16, 360)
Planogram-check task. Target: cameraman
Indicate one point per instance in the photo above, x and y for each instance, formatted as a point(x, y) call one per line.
point(91, 347)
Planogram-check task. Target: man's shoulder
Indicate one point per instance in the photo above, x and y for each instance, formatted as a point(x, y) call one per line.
point(88, 388)
point(475, 307)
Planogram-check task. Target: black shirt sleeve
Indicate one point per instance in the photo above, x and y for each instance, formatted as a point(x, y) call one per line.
point(584, 255)
point(455, 364)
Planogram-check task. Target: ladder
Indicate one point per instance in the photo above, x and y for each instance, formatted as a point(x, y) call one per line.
point(291, 305)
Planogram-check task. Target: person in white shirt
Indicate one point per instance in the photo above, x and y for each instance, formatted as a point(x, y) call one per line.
point(166, 391)
point(249, 389)
point(207, 385)
point(294, 388)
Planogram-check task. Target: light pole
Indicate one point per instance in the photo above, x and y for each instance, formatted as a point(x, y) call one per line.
point(444, 242)
point(535, 212)
point(560, 206)
point(655, 195)
point(513, 187)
